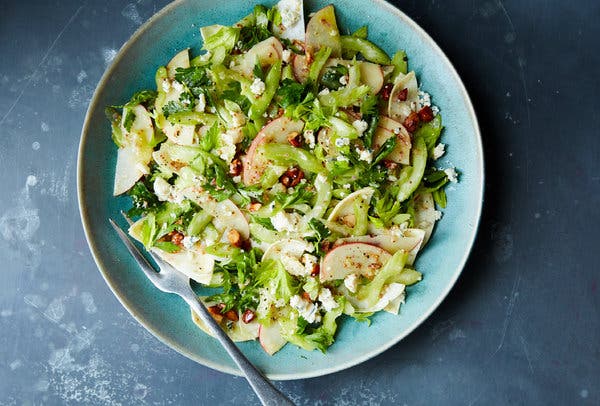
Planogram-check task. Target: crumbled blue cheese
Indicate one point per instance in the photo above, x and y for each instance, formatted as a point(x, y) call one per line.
point(351, 282)
point(344, 80)
point(177, 86)
point(424, 99)
point(435, 110)
point(360, 125)
point(365, 155)
point(346, 186)
point(341, 158)
point(309, 262)
point(390, 293)
point(328, 303)
point(309, 138)
point(437, 215)
point(283, 221)
point(165, 192)
point(342, 141)
point(166, 85)
point(392, 178)
point(308, 310)
point(291, 11)
point(439, 151)
point(226, 152)
point(238, 118)
point(201, 104)
point(324, 92)
point(286, 55)
point(451, 174)
point(257, 87)
point(189, 241)
point(233, 136)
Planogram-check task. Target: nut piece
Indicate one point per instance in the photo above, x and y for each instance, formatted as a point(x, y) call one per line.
point(254, 206)
point(231, 315)
point(386, 91)
point(215, 312)
point(294, 139)
point(291, 177)
point(234, 238)
point(235, 167)
point(390, 165)
point(402, 95)
point(411, 122)
point(315, 270)
point(306, 296)
point(176, 238)
point(425, 114)
point(248, 316)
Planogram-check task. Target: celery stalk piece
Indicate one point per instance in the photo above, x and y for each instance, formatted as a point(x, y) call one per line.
point(369, 51)
point(260, 105)
point(419, 161)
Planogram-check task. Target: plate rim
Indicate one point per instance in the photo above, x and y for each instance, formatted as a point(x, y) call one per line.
point(90, 239)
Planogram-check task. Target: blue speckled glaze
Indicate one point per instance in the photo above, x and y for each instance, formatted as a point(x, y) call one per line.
point(166, 316)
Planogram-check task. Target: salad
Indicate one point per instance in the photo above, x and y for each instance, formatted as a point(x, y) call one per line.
point(288, 170)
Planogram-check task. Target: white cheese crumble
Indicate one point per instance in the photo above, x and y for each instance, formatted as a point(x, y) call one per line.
point(177, 86)
point(166, 85)
point(343, 80)
point(451, 174)
point(189, 241)
point(439, 150)
point(327, 301)
point(165, 192)
point(424, 99)
point(351, 282)
point(309, 138)
point(309, 262)
point(257, 87)
point(365, 155)
point(286, 55)
point(437, 215)
point(283, 221)
point(290, 11)
point(238, 118)
point(237, 179)
point(346, 186)
point(435, 110)
point(392, 178)
point(226, 152)
point(324, 92)
point(201, 104)
point(342, 141)
point(341, 158)
point(233, 136)
point(360, 125)
point(308, 310)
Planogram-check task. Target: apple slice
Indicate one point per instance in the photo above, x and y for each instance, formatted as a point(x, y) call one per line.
point(397, 109)
point(342, 218)
point(132, 164)
point(371, 74)
point(322, 31)
point(425, 214)
point(300, 68)
point(388, 128)
point(270, 338)
point(289, 251)
point(276, 131)
point(358, 258)
point(193, 263)
point(410, 241)
point(266, 52)
point(181, 60)
point(181, 134)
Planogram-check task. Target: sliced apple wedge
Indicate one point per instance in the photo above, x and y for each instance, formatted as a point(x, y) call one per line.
point(181, 134)
point(300, 68)
point(270, 338)
point(266, 52)
point(276, 131)
point(388, 128)
point(400, 109)
point(410, 241)
point(358, 258)
point(425, 214)
point(181, 60)
point(132, 164)
point(193, 262)
point(342, 218)
point(322, 31)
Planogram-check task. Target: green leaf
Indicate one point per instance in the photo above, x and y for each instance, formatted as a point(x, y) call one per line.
point(362, 32)
point(167, 246)
point(210, 139)
point(129, 119)
point(143, 97)
point(142, 198)
point(291, 93)
point(387, 147)
point(195, 78)
point(298, 196)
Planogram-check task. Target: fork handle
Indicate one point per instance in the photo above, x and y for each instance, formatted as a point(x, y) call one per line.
point(263, 387)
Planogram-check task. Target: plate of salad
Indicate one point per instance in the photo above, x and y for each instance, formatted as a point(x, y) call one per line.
point(316, 175)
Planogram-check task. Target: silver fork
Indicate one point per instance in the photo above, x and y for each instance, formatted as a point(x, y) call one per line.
point(171, 280)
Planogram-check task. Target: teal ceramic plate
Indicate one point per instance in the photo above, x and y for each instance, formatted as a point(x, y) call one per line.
point(166, 316)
